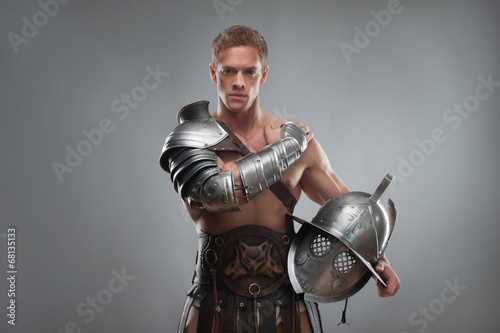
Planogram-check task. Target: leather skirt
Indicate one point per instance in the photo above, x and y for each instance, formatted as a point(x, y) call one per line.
point(241, 283)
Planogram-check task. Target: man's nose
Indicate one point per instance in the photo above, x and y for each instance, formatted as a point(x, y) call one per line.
point(239, 82)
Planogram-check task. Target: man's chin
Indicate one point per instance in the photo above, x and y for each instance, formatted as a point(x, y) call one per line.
point(236, 107)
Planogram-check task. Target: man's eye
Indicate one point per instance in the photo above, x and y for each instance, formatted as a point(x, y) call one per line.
point(251, 72)
point(227, 71)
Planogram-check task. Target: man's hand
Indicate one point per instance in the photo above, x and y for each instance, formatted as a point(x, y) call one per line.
point(385, 271)
point(273, 133)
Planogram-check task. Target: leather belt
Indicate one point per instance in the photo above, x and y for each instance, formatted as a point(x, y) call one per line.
point(251, 261)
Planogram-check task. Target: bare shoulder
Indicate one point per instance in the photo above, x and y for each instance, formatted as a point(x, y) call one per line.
point(272, 120)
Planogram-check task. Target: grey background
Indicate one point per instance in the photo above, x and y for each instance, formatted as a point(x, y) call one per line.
point(117, 209)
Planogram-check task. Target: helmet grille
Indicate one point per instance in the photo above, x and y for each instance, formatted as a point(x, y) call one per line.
point(344, 262)
point(321, 245)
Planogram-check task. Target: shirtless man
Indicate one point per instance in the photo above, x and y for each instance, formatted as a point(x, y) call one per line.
point(239, 69)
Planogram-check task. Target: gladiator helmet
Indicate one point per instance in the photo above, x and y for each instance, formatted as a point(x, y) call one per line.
point(333, 256)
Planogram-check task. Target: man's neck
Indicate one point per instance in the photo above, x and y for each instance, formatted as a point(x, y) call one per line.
point(243, 123)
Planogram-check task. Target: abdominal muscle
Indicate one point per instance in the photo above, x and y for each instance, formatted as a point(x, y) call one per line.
point(265, 210)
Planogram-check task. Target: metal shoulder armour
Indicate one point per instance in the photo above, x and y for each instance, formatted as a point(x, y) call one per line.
point(196, 129)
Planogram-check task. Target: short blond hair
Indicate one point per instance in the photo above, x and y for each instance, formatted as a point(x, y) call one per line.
point(239, 35)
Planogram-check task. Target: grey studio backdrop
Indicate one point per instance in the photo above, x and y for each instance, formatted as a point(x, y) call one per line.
point(90, 90)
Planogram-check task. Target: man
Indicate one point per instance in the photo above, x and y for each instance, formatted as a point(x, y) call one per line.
point(240, 172)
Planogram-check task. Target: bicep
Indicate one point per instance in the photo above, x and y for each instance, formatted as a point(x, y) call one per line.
point(319, 182)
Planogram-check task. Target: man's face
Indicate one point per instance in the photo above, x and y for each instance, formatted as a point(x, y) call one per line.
point(238, 75)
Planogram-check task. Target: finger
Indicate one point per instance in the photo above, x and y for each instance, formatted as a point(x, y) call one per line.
point(391, 290)
point(380, 267)
point(396, 288)
point(393, 285)
point(309, 136)
point(384, 291)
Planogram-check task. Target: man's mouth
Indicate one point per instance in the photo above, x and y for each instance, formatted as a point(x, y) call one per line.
point(237, 96)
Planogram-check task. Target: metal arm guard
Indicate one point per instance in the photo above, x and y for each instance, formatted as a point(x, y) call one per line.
point(193, 167)
point(260, 170)
point(200, 182)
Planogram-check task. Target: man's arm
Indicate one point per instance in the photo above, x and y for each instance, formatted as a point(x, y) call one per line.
point(319, 182)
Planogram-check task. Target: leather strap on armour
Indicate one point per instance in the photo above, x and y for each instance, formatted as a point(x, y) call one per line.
point(231, 142)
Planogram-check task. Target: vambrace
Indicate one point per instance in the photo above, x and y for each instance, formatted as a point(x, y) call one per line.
point(200, 182)
point(260, 170)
